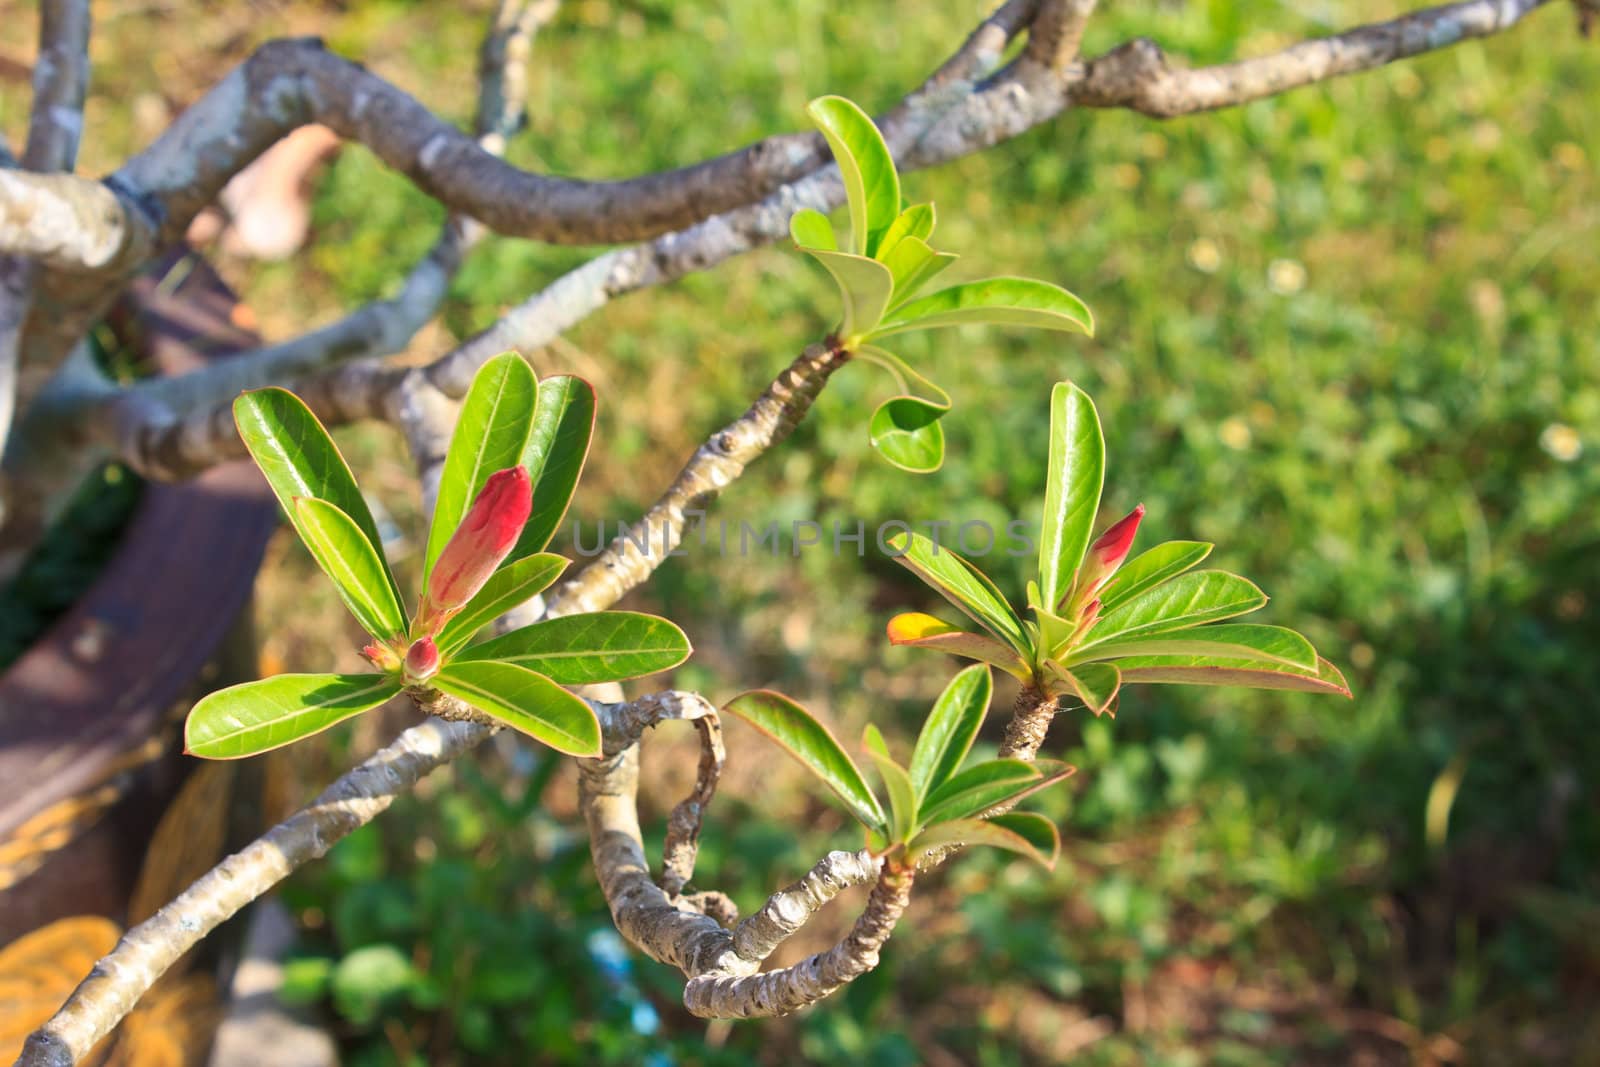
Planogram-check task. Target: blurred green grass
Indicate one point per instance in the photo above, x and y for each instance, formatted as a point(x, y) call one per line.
point(1349, 334)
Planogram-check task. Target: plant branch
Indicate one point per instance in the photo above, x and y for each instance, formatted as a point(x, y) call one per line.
point(1138, 76)
point(790, 908)
point(1057, 32)
point(1030, 721)
point(60, 83)
point(625, 564)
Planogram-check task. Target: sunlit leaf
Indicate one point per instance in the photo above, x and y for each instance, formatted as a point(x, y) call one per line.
point(1187, 600)
point(996, 301)
point(1230, 640)
point(872, 187)
point(1025, 833)
point(526, 701)
point(347, 557)
point(299, 459)
point(915, 221)
point(906, 431)
point(507, 588)
point(986, 785)
point(808, 741)
point(913, 265)
point(558, 444)
point(962, 584)
point(918, 630)
point(1151, 568)
point(253, 717)
point(1211, 670)
point(897, 785)
point(598, 646)
point(811, 229)
point(490, 434)
point(865, 286)
point(951, 726)
point(1072, 490)
point(1096, 684)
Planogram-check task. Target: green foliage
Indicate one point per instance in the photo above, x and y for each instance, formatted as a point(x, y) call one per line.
point(1074, 646)
point(888, 264)
point(515, 679)
point(933, 804)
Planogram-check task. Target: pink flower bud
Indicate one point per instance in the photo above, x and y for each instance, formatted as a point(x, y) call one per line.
point(1104, 557)
point(486, 535)
point(382, 657)
point(422, 661)
point(1091, 613)
point(1112, 547)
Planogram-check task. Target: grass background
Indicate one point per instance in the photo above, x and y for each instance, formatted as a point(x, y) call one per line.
point(1348, 334)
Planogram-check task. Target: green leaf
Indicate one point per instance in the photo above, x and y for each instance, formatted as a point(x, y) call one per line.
point(902, 794)
point(299, 459)
point(1025, 833)
point(1231, 640)
point(865, 286)
point(1149, 569)
point(997, 301)
point(1185, 601)
point(963, 585)
point(905, 431)
point(507, 588)
point(558, 444)
point(951, 726)
point(524, 700)
point(1096, 684)
point(870, 183)
point(1213, 670)
point(811, 229)
point(915, 221)
point(599, 646)
point(984, 785)
point(346, 556)
point(808, 741)
point(913, 265)
point(1072, 490)
point(243, 720)
point(1054, 631)
point(489, 436)
point(917, 630)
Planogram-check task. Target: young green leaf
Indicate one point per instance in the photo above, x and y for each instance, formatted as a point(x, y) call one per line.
point(1248, 674)
point(963, 585)
point(1096, 684)
point(1025, 833)
point(507, 588)
point(910, 382)
point(918, 630)
point(346, 556)
point(599, 646)
point(811, 229)
point(299, 459)
point(526, 701)
point(902, 794)
point(948, 733)
point(1077, 470)
point(915, 221)
point(1150, 569)
point(986, 785)
point(1185, 601)
point(997, 301)
point(871, 185)
point(913, 265)
point(905, 431)
point(1227, 640)
point(808, 741)
point(865, 286)
point(489, 436)
point(243, 720)
point(558, 444)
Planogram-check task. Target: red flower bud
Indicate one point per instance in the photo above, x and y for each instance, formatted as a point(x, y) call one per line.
point(1112, 547)
point(485, 537)
point(422, 661)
